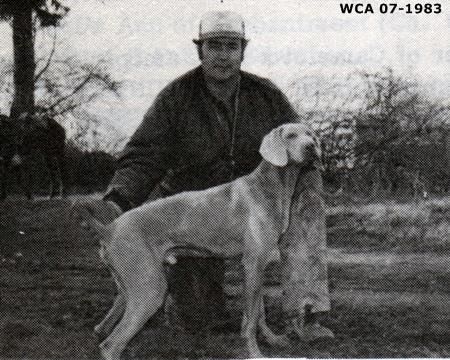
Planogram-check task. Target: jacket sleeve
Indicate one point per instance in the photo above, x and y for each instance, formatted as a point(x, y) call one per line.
point(147, 156)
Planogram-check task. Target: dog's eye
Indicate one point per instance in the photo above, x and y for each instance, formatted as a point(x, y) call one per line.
point(291, 136)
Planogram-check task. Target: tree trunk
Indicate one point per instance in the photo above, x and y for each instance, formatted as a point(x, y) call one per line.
point(24, 64)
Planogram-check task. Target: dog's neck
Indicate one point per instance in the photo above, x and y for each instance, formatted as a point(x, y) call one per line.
point(281, 182)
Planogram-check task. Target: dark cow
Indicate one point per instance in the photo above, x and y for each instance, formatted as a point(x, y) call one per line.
point(10, 160)
point(23, 139)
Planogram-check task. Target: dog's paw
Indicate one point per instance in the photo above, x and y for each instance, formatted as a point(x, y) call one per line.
point(254, 352)
point(278, 341)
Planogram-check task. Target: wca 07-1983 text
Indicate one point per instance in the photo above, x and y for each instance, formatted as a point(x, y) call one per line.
point(390, 8)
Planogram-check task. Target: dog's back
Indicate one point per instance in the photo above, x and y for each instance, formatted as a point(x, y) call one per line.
point(213, 219)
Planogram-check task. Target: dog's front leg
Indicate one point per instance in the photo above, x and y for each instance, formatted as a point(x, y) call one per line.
point(254, 270)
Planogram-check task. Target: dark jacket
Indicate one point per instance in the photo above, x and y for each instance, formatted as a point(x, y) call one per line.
point(183, 141)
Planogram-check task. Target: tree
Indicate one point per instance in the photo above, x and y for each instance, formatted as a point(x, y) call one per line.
point(66, 87)
point(370, 124)
point(397, 119)
point(330, 105)
point(68, 84)
point(90, 134)
point(21, 13)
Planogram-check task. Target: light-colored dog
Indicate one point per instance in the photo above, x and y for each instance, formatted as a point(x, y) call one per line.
point(246, 216)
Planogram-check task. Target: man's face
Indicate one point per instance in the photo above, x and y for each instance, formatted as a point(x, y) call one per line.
point(221, 57)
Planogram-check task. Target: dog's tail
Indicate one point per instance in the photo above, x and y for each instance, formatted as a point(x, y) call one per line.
point(92, 223)
point(82, 215)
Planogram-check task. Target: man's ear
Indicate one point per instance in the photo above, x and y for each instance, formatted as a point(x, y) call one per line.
point(199, 51)
point(244, 46)
point(273, 148)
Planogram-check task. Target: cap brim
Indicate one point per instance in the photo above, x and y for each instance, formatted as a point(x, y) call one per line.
point(215, 36)
point(221, 34)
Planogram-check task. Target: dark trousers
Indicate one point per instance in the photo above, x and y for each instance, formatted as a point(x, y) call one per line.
point(196, 286)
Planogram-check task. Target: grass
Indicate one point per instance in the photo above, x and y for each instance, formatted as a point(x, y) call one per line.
point(389, 290)
point(390, 226)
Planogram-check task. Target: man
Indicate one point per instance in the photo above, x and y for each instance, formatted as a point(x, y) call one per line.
point(204, 129)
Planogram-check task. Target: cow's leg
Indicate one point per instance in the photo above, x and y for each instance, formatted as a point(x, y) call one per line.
point(3, 175)
point(53, 171)
point(25, 176)
point(8, 169)
point(61, 158)
point(21, 181)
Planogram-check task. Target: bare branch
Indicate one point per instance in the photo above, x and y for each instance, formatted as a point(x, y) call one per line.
point(49, 59)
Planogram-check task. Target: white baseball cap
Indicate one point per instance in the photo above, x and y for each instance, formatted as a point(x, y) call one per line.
point(221, 24)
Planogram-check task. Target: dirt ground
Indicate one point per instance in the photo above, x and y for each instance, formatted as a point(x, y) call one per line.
point(389, 280)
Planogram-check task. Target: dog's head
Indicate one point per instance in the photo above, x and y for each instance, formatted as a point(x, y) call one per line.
point(291, 143)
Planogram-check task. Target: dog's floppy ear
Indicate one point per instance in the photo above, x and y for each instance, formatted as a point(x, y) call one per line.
point(273, 148)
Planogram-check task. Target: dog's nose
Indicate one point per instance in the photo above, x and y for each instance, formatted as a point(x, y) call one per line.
point(310, 147)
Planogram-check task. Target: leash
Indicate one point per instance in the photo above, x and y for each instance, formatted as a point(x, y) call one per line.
point(233, 129)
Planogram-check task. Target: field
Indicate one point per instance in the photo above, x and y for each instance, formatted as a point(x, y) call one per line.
point(389, 279)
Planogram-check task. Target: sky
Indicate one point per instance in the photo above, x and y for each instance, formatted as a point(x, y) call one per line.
point(149, 43)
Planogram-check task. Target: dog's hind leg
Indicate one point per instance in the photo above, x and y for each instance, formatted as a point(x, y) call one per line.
point(145, 286)
point(104, 328)
point(137, 313)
